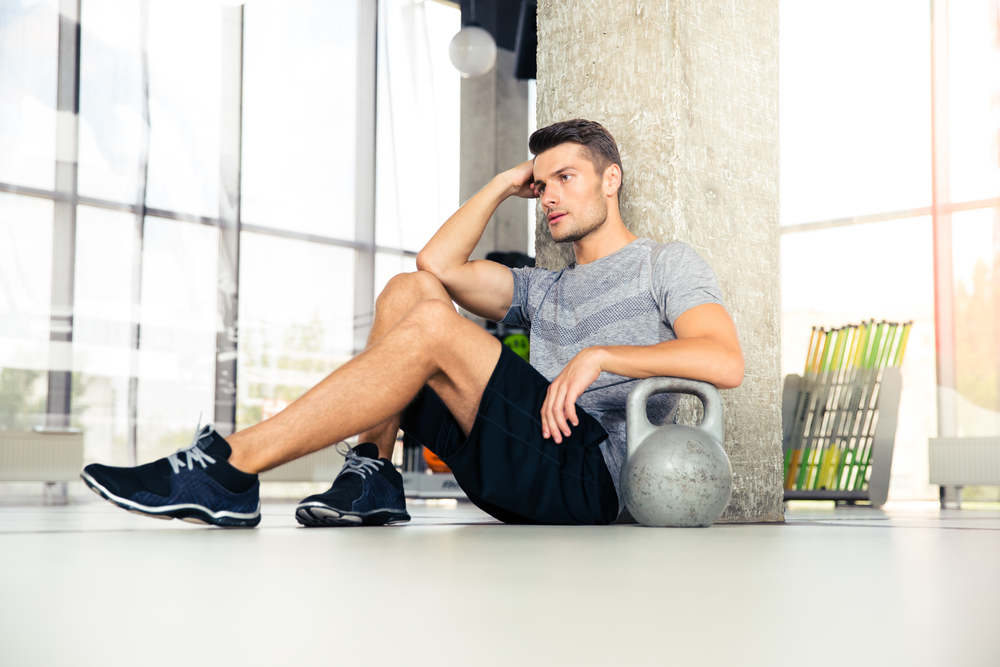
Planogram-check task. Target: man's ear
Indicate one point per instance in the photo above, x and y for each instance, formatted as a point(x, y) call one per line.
point(612, 179)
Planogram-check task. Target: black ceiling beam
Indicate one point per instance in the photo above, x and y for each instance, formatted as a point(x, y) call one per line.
point(497, 17)
point(502, 19)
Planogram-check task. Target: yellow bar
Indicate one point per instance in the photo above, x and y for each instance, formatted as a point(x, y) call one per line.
point(902, 344)
point(793, 467)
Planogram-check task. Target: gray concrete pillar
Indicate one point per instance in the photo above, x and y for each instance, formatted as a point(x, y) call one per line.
point(495, 138)
point(689, 89)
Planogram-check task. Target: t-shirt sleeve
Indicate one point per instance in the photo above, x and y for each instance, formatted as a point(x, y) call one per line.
point(517, 314)
point(682, 280)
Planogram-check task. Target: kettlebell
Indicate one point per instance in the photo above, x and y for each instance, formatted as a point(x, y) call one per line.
point(675, 475)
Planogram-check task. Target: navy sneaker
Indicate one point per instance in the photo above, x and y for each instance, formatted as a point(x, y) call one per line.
point(367, 492)
point(194, 484)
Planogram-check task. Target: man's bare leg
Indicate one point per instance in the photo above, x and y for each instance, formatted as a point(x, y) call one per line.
point(432, 344)
point(400, 295)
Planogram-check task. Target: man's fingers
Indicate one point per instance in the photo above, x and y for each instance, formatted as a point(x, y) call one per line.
point(546, 432)
point(570, 409)
point(550, 422)
point(559, 412)
point(553, 424)
point(559, 407)
point(550, 427)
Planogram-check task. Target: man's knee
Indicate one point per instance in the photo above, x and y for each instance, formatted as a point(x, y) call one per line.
point(434, 317)
point(434, 323)
point(412, 288)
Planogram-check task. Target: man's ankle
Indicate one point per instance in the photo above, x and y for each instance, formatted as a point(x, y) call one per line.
point(239, 457)
point(384, 438)
point(242, 464)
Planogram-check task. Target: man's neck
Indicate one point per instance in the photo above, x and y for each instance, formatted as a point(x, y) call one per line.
point(611, 237)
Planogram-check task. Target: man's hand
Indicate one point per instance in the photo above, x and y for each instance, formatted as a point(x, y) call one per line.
point(522, 180)
point(559, 408)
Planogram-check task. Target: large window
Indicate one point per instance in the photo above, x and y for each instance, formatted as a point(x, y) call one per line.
point(296, 319)
point(300, 103)
point(877, 117)
point(418, 147)
point(191, 137)
point(25, 303)
point(29, 35)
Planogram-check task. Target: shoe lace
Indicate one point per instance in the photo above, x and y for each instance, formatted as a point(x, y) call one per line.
point(357, 464)
point(193, 453)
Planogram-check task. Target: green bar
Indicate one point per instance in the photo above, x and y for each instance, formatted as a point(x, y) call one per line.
point(873, 346)
point(887, 348)
point(863, 464)
point(818, 451)
point(828, 357)
point(803, 466)
point(838, 483)
point(822, 348)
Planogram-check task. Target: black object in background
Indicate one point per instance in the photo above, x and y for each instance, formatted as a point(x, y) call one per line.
point(413, 455)
point(497, 17)
point(513, 26)
point(526, 46)
point(512, 259)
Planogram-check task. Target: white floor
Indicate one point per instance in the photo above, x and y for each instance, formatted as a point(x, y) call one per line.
point(88, 584)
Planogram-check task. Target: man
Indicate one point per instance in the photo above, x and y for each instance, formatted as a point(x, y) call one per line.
point(527, 446)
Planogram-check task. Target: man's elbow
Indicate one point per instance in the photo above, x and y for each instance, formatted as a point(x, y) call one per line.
point(425, 262)
point(731, 371)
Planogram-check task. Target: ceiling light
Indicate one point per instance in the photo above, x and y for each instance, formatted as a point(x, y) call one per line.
point(472, 51)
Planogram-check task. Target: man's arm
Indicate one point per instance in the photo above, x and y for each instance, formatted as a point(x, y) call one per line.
point(707, 348)
point(482, 287)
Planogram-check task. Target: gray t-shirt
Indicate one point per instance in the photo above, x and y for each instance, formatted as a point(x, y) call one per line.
point(631, 297)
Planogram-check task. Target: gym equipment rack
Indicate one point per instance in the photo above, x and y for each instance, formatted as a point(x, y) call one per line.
point(839, 417)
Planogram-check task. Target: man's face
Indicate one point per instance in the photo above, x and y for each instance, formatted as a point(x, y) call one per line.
point(570, 191)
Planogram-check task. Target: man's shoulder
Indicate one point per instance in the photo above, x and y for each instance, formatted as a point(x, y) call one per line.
point(674, 256)
point(676, 264)
point(667, 249)
point(534, 276)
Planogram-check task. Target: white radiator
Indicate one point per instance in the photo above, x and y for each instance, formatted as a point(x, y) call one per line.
point(964, 461)
point(321, 466)
point(438, 485)
point(49, 456)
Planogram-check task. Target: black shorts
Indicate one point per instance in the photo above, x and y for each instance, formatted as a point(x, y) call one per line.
point(505, 466)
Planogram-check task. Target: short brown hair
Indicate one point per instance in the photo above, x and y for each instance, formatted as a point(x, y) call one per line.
point(594, 137)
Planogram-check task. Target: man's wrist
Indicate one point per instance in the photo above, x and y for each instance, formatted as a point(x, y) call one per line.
point(504, 184)
point(600, 356)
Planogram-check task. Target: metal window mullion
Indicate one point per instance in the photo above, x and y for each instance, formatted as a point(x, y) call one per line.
point(953, 207)
point(944, 311)
point(138, 239)
point(950, 207)
point(60, 389)
point(215, 222)
point(364, 226)
point(230, 164)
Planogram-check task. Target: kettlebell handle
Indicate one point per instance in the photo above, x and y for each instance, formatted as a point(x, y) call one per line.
point(638, 425)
